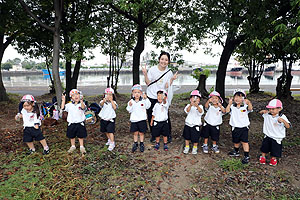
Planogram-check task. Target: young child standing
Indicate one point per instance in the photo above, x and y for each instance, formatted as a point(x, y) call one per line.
point(31, 122)
point(191, 131)
point(239, 107)
point(75, 119)
point(274, 128)
point(213, 120)
point(108, 114)
point(138, 115)
point(159, 120)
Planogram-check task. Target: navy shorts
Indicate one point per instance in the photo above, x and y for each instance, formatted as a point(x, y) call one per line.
point(240, 135)
point(76, 130)
point(160, 128)
point(270, 145)
point(211, 131)
point(30, 133)
point(107, 126)
point(191, 133)
point(140, 126)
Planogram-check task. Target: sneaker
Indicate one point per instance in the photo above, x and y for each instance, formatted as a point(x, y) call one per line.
point(234, 153)
point(108, 142)
point(273, 162)
point(45, 152)
point(169, 139)
point(82, 150)
point(215, 149)
point(246, 160)
point(71, 149)
point(262, 160)
point(186, 150)
point(166, 147)
point(142, 147)
point(111, 146)
point(156, 147)
point(194, 151)
point(134, 147)
point(30, 151)
point(205, 148)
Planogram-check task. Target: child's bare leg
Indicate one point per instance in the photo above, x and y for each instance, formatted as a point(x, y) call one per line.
point(205, 140)
point(245, 146)
point(157, 139)
point(165, 139)
point(236, 145)
point(135, 136)
point(107, 135)
point(30, 145)
point(72, 140)
point(214, 142)
point(44, 143)
point(263, 154)
point(187, 142)
point(111, 137)
point(141, 137)
point(195, 144)
point(80, 141)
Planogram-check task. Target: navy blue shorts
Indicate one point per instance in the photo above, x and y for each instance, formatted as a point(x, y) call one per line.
point(211, 131)
point(30, 133)
point(140, 126)
point(107, 126)
point(270, 145)
point(240, 135)
point(191, 133)
point(76, 130)
point(160, 128)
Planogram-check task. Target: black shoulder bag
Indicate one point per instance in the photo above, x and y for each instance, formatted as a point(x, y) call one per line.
point(159, 78)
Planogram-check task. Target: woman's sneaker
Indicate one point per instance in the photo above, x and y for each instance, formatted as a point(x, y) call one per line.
point(195, 150)
point(186, 150)
point(71, 149)
point(134, 147)
point(205, 148)
point(111, 146)
point(156, 147)
point(262, 160)
point(273, 162)
point(215, 149)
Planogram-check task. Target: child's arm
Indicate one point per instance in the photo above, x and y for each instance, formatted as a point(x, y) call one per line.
point(113, 104)
point(188, 108)
point(263, 112)
point(129, 106)
point(229, 105)
point(250, 107)
point(222, 108)
point(63, 102)
point(207, 103)
point(199, 108)
point(102, 102)
point(152, 119)
point(18, 116)
point(286, 124)
point(82, 104)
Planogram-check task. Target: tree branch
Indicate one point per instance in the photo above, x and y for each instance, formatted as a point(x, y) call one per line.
point(10, 39)
point(126, 14)
point(35, 17)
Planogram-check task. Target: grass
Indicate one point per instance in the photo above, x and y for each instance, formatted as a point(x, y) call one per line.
point(231, 165)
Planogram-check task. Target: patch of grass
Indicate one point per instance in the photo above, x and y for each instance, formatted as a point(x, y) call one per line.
point(292, 142)
point(231, 164)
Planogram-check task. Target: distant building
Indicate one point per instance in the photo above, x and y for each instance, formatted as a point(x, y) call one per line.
point(16, 67)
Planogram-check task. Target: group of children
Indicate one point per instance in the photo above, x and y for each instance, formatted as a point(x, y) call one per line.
point(274, 128)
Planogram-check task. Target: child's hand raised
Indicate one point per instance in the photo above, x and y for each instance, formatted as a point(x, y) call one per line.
point(263, 112)
point(280, 120)
point(130, 102)
point(144, 96)
point(246, 101)
point(63, 97)
point(230, 100)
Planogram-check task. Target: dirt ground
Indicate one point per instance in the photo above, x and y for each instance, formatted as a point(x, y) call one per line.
point(171, 174)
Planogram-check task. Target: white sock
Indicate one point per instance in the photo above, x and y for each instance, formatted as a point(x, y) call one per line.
point(214, 145)
point(73, 146)
point(204, 145)
point(32, 149)
point(81, 146)
point(46, 148)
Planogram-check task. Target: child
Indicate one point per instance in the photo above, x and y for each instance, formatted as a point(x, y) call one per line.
point(274, 127)
point(159, 120)
point(213, 120)
point(31, 122)
point(239, 107)
point(108, 114)
point(75, 119)
point(138, 115)
point(191, 131)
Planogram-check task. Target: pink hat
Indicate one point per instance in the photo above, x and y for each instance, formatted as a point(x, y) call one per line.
point(74, 91)
point(109, 90)
point(275, 103)
point(137, 87)
point(195, 93)
point(27, 97)
point(215, 93)
point(163, 91)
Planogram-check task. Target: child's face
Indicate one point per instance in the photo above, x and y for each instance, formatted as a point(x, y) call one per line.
point(28, 106)
point(75, 97)
point(109, 96)
point(195, 99)
point(274, 111)
point(136, 93)
point(215, 100)
point(238, 99)
point(160, 97)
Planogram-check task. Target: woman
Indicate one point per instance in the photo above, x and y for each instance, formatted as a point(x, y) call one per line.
point(159, 77)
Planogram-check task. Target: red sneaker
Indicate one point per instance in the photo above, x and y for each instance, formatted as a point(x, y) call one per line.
point(262, 160)
point(273, 162)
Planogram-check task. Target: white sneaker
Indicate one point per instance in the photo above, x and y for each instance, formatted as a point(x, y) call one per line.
point(111, 146)
point(108, 142)
point(194, 151)
point(186, 150)
point(82, 150)
point(71, 149)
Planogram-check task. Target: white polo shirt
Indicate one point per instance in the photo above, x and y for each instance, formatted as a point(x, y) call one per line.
point(193, 117)
point(153, 74)
point(29, 118)
point(138, 110)
point(274, 129)
point(214, 115)
point(239, 116)
point(160, 112)
point(107, 111)
point(75, 113)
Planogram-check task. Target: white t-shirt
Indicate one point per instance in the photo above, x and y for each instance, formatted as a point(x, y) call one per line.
point(138, 109)
point(239, 116)
point(107, 111)
point(274, 129)
point(153, 74)
point(75, 113)
point(214, 115)
point(29, 118)
point(193, 117)
point(160, 112)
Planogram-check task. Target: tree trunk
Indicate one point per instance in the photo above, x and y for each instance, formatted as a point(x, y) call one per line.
point(139, 48)
point(202, 85)
point(284, 81)
point(254, 76)
point(68, 78)
point(76, 73)
point(3, 94)
point(52, 89)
